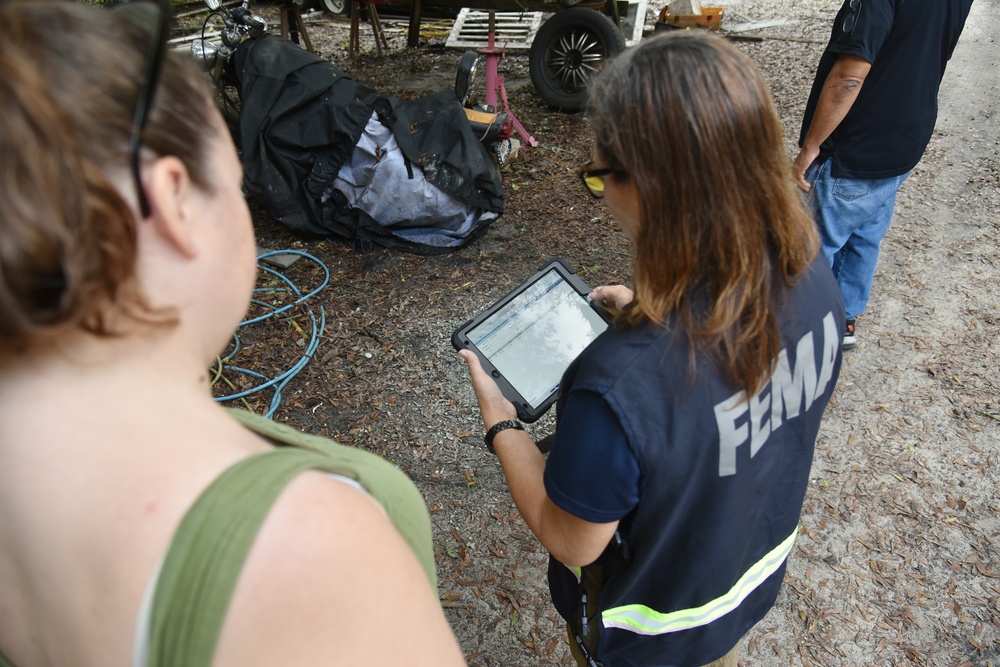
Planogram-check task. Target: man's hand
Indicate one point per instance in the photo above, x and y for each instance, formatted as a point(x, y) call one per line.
point(802, 162)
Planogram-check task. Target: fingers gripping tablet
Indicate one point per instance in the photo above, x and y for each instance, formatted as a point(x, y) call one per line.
point(527, 339)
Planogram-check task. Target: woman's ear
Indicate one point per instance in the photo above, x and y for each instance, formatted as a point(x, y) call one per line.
point(170, 190)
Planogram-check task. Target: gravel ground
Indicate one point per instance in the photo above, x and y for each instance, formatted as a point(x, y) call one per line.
point(897, 562)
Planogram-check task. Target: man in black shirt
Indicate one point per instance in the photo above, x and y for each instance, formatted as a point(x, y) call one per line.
point(869, 117)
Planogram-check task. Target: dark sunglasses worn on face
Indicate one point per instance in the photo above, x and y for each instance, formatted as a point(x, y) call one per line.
point(593, 179)
point(851, 21)
point(147, 91)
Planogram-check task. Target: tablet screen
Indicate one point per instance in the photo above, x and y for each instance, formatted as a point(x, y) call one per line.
point(532, 339)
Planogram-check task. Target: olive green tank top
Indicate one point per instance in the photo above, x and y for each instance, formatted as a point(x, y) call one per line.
point(204, 559)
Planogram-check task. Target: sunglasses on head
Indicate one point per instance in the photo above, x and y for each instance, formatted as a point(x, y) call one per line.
point(593, 179)
point(155, 53)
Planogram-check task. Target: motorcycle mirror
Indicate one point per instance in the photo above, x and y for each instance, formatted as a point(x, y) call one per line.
point(214, 5)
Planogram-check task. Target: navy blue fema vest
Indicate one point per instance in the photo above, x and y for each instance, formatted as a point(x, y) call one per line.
point(722, 484)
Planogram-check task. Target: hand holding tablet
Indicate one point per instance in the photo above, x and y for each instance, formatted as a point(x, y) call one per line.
point(613, 296)
point(526, 340)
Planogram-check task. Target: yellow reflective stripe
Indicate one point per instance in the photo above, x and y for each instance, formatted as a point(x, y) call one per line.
point(645, 621)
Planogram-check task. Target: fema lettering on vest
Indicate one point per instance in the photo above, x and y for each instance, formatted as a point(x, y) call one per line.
point(790, 392)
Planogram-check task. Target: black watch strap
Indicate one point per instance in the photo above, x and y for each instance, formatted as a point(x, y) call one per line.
point(496, 428)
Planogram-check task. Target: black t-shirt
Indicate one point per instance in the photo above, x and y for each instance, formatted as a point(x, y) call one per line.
point(908, 43)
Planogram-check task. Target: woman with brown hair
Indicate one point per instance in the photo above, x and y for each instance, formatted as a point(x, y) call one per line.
point(140, 522)
point(685, 433)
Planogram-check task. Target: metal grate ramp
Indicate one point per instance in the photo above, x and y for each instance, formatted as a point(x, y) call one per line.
point(516, 30)
point(513, 30)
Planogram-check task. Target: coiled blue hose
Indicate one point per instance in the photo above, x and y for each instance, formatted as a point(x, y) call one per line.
point(279, 381)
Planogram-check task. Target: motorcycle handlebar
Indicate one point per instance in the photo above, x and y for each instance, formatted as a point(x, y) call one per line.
point(241, 16)
point(240, 20)
point(240, 13)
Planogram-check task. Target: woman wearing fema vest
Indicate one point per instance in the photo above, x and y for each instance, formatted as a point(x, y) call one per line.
point(685, 433)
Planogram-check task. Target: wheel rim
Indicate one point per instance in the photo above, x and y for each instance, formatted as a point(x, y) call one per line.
point(573, 59)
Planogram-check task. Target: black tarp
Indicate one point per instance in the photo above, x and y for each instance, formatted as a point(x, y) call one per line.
point(300, 120)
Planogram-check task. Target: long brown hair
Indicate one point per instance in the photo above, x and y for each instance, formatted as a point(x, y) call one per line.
point(688, 118)
point(67, 236)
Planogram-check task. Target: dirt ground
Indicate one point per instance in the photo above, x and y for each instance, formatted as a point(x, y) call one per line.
point(897, 562)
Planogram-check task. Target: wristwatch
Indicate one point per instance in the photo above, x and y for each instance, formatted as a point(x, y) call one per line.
point(496, 428)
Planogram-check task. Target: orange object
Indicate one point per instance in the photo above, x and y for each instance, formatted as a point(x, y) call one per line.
point(710, 18)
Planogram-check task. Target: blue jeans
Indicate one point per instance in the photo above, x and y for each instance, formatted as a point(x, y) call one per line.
point(853, 214)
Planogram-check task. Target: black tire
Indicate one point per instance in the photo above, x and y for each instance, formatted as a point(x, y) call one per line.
point(567, 51)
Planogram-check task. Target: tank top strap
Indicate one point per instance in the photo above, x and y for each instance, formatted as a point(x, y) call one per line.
point(204, 560)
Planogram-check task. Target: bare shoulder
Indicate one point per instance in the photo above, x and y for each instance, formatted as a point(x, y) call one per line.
point(330, 581)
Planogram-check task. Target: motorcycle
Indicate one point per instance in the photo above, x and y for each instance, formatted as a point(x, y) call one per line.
point(239, 24)
point(326, 155)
